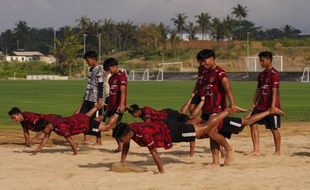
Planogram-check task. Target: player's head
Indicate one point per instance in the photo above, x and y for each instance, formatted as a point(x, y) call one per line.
point(91, 58)
point(134, 110)
point(111, 65)
point(16, 114)
point(122, 132)
point(265, 58)
point(206, 57)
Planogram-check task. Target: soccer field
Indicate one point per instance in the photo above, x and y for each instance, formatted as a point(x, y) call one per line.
point(63, 97)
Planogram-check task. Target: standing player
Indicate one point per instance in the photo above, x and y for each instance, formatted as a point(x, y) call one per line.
point(217, 87)
point(118, 92)
point(267, 96)
point(94, 91)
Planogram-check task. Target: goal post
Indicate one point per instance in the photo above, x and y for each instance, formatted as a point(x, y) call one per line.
point(305, 75)
point(173, 66)
point(146, 75)
point(252, 63)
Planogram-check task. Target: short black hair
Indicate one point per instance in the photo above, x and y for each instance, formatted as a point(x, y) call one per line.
point(205, 54)
point(133, 108)
point(120, 130)
point(109, 63)
point(14, 110)
point(265, 54)
point(90, 54)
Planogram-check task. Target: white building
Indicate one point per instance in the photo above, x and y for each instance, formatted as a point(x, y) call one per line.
point(23, 56)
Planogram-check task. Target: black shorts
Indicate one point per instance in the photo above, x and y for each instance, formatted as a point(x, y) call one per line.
point(270, 121)
point(231, 125)
point(181, 132)
point(94, 127)
point(196, 99)
point(171, 114)
point(110, 113)
point(87, 106)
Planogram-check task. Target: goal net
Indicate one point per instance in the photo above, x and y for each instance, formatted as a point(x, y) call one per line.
point(252, 63)
point(146, 75)
point(305, 75)
point(173, 66)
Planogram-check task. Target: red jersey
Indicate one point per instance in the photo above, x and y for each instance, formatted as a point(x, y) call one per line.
point(68, 126)
point(151, 134)
point(215, 94)
point(267, 80)
point(202, 70)
point(115, 82)
point(154, 115)
point(30, 119)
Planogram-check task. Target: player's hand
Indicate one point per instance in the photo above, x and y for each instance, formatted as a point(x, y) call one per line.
point(193, 94)
point(202, 98)
point(272, 110)
point(122, 108)
point(233, 107)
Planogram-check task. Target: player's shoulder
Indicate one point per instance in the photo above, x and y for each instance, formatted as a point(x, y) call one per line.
point(274, 71)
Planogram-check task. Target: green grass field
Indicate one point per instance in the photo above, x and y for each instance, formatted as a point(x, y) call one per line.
point(63, 97)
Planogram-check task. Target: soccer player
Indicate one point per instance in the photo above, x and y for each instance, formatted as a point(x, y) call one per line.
point(158, 135)
point(64, 126)
point(267, 96)
point(118, 91)
point(217, 87)
point(94, 91)
point(28, 121)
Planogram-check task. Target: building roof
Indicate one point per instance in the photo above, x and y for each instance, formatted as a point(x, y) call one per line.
point(27, 53)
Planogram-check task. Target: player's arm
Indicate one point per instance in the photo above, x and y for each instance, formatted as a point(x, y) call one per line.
point(255, 98)
point(125, 151)
point(157, 160)
point(187, 104)
point(198, 108)
point(122, 105)
point(27, 137)
point(100, 93)
point(227, 87)
point(47, 132)
point(72, 144)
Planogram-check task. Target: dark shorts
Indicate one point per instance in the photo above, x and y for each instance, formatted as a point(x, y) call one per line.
point(86, 107)
point(196, 99)
point(205, 116)
point(93, 127)
point(181, 132)
point(110, 113)
point(231, 125)
point(171, 114)
point(270, 121)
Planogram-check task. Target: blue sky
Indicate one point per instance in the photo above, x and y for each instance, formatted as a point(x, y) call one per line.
point(56, 13)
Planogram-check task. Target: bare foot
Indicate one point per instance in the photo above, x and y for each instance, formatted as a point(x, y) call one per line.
point(229, 157)
point(119, 149)
point(254, 153)
point(277, 153)
point(86, 142)
point(279, 112)
point(214, 165)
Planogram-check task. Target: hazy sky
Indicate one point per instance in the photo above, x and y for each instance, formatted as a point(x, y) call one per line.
point(56, 13)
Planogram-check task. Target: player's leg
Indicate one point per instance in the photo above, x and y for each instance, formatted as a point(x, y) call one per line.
point(273, 122)
point(255, 140)
point(277, 141)
point(215, 151)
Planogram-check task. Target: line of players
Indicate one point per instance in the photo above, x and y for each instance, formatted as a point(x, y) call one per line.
point(162, 128)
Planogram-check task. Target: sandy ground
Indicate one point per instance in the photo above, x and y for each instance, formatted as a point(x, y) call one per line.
point(55, 167)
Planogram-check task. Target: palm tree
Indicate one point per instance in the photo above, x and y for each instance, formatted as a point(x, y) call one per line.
point(162, 35)
point(203, 21)
point(192, 31)
point(290, 31)
point(228, 26)
point(217, 29)
point(179, 22)
point(240, 12)
point(21, 32)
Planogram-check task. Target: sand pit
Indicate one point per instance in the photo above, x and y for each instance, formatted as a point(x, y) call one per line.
point(56, 168)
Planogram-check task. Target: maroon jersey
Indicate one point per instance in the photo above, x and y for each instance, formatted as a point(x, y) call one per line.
point(215, 95)
point(151, 134)
point(267, 80)
point(115, 82)
point(154, 115)
point(68, 126)
point(31, 119)
point(202, 70)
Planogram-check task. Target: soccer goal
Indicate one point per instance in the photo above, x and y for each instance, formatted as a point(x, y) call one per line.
point(173, 66)
point(146, 75)
point(305, 75)
point(252, 63)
